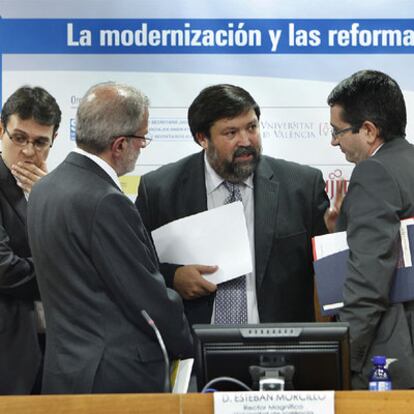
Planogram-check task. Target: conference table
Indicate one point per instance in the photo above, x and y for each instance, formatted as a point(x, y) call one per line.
point(346, 402)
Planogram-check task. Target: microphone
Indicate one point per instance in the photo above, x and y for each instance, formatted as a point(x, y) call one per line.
point(151, 323)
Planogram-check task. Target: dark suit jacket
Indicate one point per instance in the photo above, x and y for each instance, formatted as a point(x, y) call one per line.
point(20, 355)
point(380, 194)
point(290, 202)
point(96, 272)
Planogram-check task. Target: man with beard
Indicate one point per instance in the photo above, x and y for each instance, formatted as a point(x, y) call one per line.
point(97, 270)
point(284, 204)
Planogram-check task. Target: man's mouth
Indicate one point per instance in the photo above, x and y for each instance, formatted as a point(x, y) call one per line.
point(244, 157)
point(244, 154)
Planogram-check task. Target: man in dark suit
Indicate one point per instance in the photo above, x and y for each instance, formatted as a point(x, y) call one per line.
point(284, 205)
point(29, 122)
point(96, 267)
point(368, 118)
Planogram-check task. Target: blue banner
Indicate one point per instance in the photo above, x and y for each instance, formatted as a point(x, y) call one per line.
point(207, 36)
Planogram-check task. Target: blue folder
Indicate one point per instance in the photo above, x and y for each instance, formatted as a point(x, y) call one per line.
point(330, 274)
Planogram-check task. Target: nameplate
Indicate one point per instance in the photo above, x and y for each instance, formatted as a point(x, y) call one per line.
point(274, 402)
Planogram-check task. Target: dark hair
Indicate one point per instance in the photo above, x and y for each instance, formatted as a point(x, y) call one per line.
point(218, 102)
point(370, 95)
point(36, 103)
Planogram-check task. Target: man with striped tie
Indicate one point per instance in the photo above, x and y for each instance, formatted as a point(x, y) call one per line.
point(284, 205)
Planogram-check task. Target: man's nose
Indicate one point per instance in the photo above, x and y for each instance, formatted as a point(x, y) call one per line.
point(29, 149)
point(244, 138)
point(334, 141)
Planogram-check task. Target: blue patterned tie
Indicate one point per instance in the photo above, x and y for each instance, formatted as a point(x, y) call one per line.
point(231, 296)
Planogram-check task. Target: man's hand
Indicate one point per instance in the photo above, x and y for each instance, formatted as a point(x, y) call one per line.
point(332, 213)
point(27, 174)
point(189, 282)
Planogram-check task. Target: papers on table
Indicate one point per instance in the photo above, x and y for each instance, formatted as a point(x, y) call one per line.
point(213, 237)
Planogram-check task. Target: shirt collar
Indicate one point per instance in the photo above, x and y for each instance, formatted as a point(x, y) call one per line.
point(376, 150)
point(102, 163)
point(213, 180)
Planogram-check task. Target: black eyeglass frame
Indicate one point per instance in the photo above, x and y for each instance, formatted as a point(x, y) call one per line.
point(354, 128)
point(35, 142)
point(144, 138)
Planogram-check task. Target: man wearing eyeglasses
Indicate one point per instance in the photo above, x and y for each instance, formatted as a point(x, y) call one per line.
point(368, 118)
point(96, 266)
point(29, 122)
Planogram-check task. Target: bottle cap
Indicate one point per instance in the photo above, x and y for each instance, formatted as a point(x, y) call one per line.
point(379, 360)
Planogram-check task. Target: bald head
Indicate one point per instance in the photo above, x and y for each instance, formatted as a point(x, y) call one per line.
point(108, 110)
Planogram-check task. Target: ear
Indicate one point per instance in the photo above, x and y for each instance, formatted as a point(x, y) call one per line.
point(118, 146)
point(372, 132)
point(1, 131)
point(202, 140)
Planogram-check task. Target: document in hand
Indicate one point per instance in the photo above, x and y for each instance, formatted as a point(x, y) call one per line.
point(214, 237)
point(330, 254)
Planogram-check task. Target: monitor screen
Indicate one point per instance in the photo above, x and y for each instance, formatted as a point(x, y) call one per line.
point(308, 356)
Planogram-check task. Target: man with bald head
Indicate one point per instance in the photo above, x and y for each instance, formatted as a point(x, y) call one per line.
point(96, 266)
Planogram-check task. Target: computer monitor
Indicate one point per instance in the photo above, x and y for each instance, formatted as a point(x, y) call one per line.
point(309, 356)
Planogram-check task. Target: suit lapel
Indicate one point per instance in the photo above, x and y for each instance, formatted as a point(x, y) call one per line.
point(266, 204)
point(12, 192)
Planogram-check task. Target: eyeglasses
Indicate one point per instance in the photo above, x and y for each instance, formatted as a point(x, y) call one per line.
point(335, 132)
point(144, 139)
point(21, 140)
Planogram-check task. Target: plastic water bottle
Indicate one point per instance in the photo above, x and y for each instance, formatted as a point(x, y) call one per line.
point(379, 379)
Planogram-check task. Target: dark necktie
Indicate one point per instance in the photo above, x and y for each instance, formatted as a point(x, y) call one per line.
point(231, 296)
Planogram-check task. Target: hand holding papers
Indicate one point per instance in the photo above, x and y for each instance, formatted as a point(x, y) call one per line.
point(213, 237)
